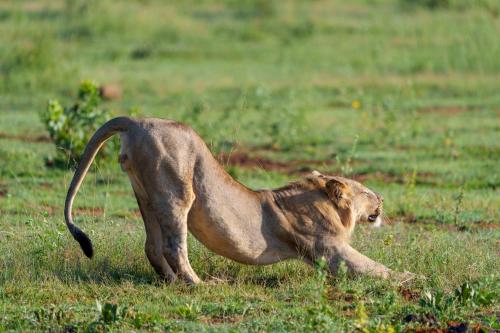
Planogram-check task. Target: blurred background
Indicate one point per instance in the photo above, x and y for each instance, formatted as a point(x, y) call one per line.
point(403, 95)
point(389, 86)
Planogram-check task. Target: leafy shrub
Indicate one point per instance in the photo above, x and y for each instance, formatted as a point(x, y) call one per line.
point(70, 128)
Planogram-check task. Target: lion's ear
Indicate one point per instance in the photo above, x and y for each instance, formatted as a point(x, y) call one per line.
point(316, 173)
point(339, 192)
point(316, 178)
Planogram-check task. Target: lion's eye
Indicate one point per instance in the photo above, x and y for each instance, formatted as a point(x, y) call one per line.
point(372, 218)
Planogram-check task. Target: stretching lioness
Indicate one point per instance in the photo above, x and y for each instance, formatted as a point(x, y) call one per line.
point(179, 186)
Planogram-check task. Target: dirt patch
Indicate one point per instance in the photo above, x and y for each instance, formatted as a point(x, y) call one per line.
point(412, 219)
point(221, 319)
point(94, 211)
point(46, 185)
point(25, 138)
point(126, 214)
point(442, 110)
point(487, 225)
point(245, 159)
point(430, 326)
point(3, 190)
point(427, 319)
point(111, 92)
point(409, 295)
point(252, 160)
point(383, 176)
point(390, 177)
point(45, 209)
point(333, 294)
point(266, 147)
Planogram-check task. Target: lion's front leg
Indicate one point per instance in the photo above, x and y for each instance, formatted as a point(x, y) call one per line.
point(358, 263)
point(361, 264)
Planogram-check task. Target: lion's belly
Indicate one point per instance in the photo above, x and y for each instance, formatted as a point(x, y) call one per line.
point(227, 235)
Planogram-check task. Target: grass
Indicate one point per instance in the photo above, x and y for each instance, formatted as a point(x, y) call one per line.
point(401, 96)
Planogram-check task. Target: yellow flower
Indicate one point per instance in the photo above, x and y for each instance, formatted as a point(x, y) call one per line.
point(356, 104)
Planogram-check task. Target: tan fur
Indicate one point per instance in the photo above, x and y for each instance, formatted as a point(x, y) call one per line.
point(179, 186)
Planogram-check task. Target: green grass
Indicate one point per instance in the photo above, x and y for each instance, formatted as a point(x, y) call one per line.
point(403, 95)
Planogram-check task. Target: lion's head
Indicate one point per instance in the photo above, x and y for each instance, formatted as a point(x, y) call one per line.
point(322, 211)
point(348, 194)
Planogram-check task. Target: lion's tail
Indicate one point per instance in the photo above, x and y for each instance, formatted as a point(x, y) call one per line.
point(119, 124)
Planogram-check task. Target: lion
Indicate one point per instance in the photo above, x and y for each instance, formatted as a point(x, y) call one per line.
point(180, 186)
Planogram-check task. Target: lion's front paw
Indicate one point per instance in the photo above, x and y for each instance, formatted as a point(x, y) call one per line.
point(406, 277)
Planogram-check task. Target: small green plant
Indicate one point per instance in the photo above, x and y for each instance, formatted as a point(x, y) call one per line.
point(436, 300)
point(471, 294)
point(70, 128)
point(478, 293)
point(321, 267)
point(110, 313)
point(107, 313)
point(47, 316)
point(189, 311)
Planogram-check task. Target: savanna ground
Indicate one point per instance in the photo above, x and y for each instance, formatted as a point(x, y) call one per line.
point(402, 95)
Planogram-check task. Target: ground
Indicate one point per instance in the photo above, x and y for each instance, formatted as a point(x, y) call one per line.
point(401, 95)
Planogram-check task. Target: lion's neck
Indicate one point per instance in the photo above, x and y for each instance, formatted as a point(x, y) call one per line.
point(311, 219)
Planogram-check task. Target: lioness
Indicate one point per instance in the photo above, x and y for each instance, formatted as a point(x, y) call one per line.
point(179, 185)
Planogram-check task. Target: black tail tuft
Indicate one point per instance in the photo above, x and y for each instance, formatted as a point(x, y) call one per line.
point(84, 241)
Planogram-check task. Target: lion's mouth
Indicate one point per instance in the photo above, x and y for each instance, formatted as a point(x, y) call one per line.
point(377, 222)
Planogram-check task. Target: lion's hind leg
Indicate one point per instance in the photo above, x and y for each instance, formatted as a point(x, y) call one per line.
point(173, 223)
point(154, 242)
